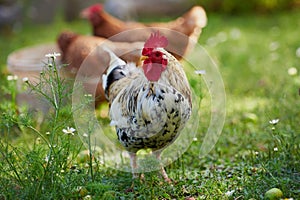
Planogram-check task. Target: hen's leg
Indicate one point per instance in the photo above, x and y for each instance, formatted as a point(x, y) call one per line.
point(133, 165)
point(162, 169)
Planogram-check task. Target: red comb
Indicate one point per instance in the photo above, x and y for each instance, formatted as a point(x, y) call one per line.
point(96, 8)
point(156, 40)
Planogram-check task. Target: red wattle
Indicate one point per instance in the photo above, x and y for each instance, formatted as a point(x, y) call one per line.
point(153, 71)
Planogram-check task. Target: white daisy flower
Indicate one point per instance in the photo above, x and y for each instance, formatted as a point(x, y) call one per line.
point(229, 193)
point(200, 72)
point(274, 121)
point(47, 158)
point(52, 55)
point(87, 197)
point(25, 79)
point(12, 77)
point(69, 131)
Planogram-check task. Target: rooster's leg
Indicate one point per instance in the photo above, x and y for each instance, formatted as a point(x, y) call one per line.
point(162, 169)
point(133, 165)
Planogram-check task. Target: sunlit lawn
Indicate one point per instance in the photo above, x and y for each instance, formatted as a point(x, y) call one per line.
point(258, 57)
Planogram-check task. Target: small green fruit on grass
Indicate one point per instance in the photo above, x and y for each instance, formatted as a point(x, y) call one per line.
point(273, 194)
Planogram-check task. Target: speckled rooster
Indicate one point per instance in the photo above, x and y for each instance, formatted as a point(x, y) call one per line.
point(149, 104)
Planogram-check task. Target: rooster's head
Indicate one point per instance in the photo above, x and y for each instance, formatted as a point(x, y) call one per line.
point(155, 60)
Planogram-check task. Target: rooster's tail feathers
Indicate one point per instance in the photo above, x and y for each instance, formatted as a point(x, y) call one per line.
point(115, 70)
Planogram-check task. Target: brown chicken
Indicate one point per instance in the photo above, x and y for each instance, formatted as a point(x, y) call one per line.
point(149, 104)
point(82, 57)
point(182, 33)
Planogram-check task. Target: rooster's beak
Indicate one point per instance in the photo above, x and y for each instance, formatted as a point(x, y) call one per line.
point(142, 58)
point(85, 13)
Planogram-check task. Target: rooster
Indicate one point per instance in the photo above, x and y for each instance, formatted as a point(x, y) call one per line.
point(149, 104)
point(182, 32)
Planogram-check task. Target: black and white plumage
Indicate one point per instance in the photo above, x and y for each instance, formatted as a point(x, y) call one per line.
point(147, 114)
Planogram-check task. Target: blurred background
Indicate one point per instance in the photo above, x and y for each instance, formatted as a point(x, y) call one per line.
point(14, 13)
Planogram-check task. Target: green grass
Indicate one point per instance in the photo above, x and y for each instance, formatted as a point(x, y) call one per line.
point(251, 156)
